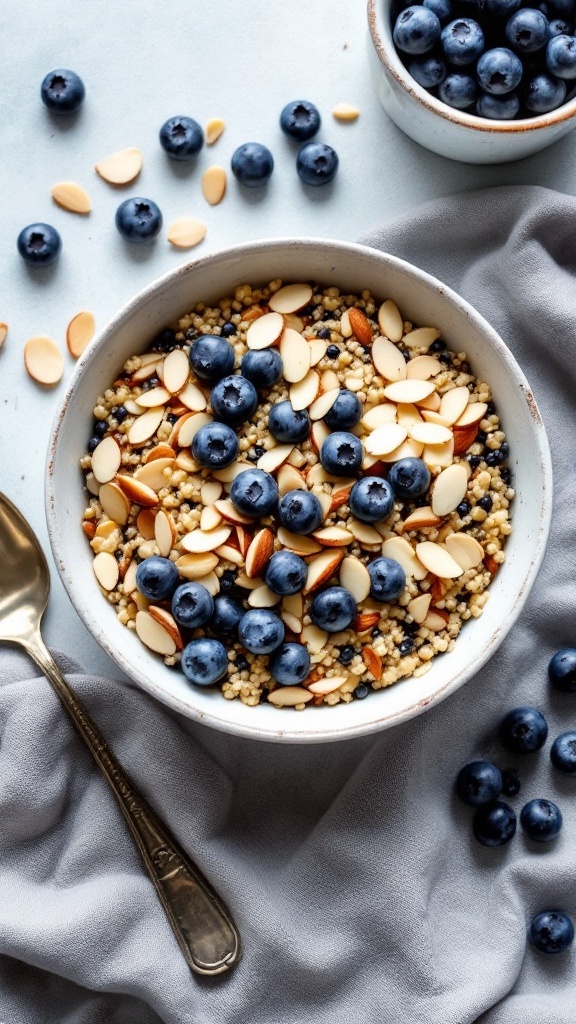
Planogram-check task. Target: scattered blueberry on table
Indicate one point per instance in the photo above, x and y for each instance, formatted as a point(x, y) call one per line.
point(300, 120)
point(138, 220)
point(494, 824)
point(317, 163)
point(563, 753)
point(62, 91)
point(181, 138)
point(479, 782)
point(523, 730)
point(252, 164)
point(39, 244)
point(551, 931)
point(562, 670)
point(541, 820)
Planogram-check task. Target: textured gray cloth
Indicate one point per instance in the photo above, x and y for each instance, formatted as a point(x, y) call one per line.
point(350, 869)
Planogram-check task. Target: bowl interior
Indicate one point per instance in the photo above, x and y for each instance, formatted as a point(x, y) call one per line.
point(421, 299)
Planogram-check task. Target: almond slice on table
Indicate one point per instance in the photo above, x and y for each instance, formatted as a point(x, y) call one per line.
point(121, 167)
point(274, 458)
point(465, 550)
point(438, 560)
point(106, 460)
point(106, 570)
point(227, 510)
point(420, 518)
point(408, 391)
point(304, 391)
point(453, 404)
point(194, 567)
point(43, 360)
point(296, 542)
point(409, 449)
point(388, 360)
point(198, 542)
point(314, 638)
point(168, 622)
point(154, 635)
point(189, 425)
point(418, 607)
point(408, 416)
point(259, 553)
point(211, 582)
point(402, 552)
point(379, 415)
point(80, 332)
point(385, 439)
point(318, 349)
point(151, 399)
point(323, 404)
point(115, 503)
point(186, 232)
point(137, 491)
point(472, 414)
point(71, 196)
point(354, 576)
point(210, 518)
point(145, 523)
point(422, 337)
point(291, 298)
point(164, 533)
point(295, 353)
point(430, 433)
point(321, 568)
point(363, 532)
point(423, 367)
point(333, 536)
point(265, 331)
point(345, 112)
point(146, 425)
point(214, 129)
point(214, 184)
point(449, 489)
point(3, 333)
point(289, 479)
point(193, 398)
point(210, 492)
point(390, 321)
point(175, 370)
point(263, 597)
point(229, 473)
point(439, 454)
point(361, 326)
point(289, 696)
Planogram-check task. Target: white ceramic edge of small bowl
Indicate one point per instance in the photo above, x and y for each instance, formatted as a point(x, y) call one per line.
point(333, 724)
point(416, 111)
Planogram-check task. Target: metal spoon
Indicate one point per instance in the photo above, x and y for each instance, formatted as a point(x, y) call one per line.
point(201, 923)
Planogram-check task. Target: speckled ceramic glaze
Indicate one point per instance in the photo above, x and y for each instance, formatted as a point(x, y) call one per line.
point(442, 129)
point(425, 301)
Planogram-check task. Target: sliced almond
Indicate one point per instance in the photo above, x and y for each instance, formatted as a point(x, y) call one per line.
point(210, 518)
point(175, 371)
point(333, 536)
point(43, 360)
point(323, 404)
point(418, 607)
point(167, 621)
point(345, 112)
point(92, 484)
point(71, 196)
point(137, 491)
point(385, 439)
point(140, 601)
point(449, 489)
point(211, 582)
point(289, 696)
point(80, 332)
point(229, 474)
point(408, 391)
point(379, 415)
point(438, 560)
point(154, 635)
point(289, 620)
point(420, 518)
point(296, 323)
point(115, 503)
point(153, 398)
point(422, 337)
point(246, 583)
point(430, 433)
point(295, 353)
point(388, 360)
point(401, 551)
point(363, 532)
point(433, 417)
point(439, 454)
point(473, 413)
point(129, 581)
point(210, 492)
point(194, 567)
point(243, 538)
point(432, 403)
point(186, 232)
point(340, 496)
point(214, 129)
point(133, 408)
point(3, 333)
point(314, 638)
point(390, 321)
point(190, 424)
point(328, 684)
point(274, 458)
point(354, 576)
point(303, 393)
point(345, 325)
point(465, 550)
point(321, 568)
point(423, 367)
point(453, 404)
point(193, 398)
point(227, 511)
point(318, 434)
point(289, 479)
point(361, 326)
point(120, 168)
point(263, 597)
point(291, 298)
point(106, 460)
point(185, 461)
point(106, 570)
point(294, 604)
point(146, 426)
point(164, 533)
point(325, 500)
point(200, 541)
point(435, 620)
point(318, 349)
point(296, 542)
point(259, 553)
point(214, 184)
point(409, 449)
point(265, 331)
point(318, 475)
point(145, 523)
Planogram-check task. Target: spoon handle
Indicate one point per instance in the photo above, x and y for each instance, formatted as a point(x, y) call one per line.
point(201, 923)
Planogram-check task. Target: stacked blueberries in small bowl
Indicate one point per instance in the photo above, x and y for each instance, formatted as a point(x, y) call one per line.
point(493, 58)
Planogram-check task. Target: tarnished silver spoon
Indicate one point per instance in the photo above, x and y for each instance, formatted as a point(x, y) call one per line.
point(201, 923)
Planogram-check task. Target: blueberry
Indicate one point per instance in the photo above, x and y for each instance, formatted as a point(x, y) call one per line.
point(262, 368)
point(211, 357)
point(226, 616)
point(464, 509)
point(287, 425)
point(462, 41)
point(563, 753)
point(119, 412)
point(511, 784)
point(498, 108)
point(345, 412)
point(437, 346)
point(506, 475)
point(241, 663)
point(441, 8)
point(138, 220)
point(290, 664)
point(474, 461)
point(93, 443)
point(39, 244)
point(544, 93)
point(494, 824)
point(499, 70)
point(405, 646)
point(62, 91)
point(371, 499)
point(100, 428)
point(333, 609)
point(527, 30)
point(541, 820)
point(346, 655)
point(332, 351)
point(204, 661)
point(234, 400)
point(252, 164)
point(361, 691)
point(559, 27)
point(417, 30)
point(479, 782)
point(192, 605)
point(157, 578)
point(228, 582)
point(165, 340)
point(387, 579)
point(485, 503)
point(300, 512)
point(523, 730)
point(261, 631)
point(409, 478)
point(254, 493)
point(551, 931)
point(562, 670)
point(181, 138)
point(286, 573)
point(229, 330)
point(428, 71)
point(300, 120)
point(502, 7)
point(341, 454)
point(325, 334)
point(316, 163)
point(215, 446)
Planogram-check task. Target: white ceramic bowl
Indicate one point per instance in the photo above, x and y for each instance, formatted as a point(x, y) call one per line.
point(421, 298)
point(442, 129)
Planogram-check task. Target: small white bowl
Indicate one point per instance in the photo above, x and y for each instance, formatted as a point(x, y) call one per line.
point(442, 129)
point(421, 298)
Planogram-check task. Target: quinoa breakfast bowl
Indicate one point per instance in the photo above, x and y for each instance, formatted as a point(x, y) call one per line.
point(298, 490)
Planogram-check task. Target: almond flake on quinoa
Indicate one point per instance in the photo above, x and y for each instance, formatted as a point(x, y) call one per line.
point(438, 560)
point(295, 353)
point(314, 638)
point(453, 404)
point(289, 696)
point(430, 433)
point(390, 321)
point(146, 426)
point(175, 370)
point(422, 337)
point(274, 457)
point(402, 552)
point(154, 635)
point(423, 367)
point(409, 449)
point(303, 392)
point(114, 503)
point(385, 439)
point(420, 518)
point(354, 576)
point(323, 404)
point(321, 568)
point(210, 518)
point(263, 597)
point(210, 492)
point(388, 360)
point(441, 455)
point(318, 349)
point(137, 491)
point(195, 566)
point(333, 536)
point(164, 533)
point(408, 391)
point(106, 570)
point(449, 489)
point(289, 479)
point(472, 414)
point(106, 460)
point(465, 550)
point(198, 542)
point(291, 298)
point(266, 331)
point(190, 424)
point(418, 607)
point(297, 543)
point(379, 415)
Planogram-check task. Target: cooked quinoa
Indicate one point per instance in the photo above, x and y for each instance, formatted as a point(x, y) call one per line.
point(388, 641)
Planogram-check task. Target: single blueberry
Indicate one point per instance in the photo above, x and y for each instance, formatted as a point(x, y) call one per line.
point(441, 8)
point(229, 330)
point(211, 357)
point(527, 30)
point(563, 753)
point(192, 605)
point(371, 499)
point(254, 493)
point(464, 509)
point(499, 70)
point(387, 579)
point(332, 352)
point(345, 412)
point(437, 346)
point(226, 616)
point(544, 93)
point(361, 691)
point(289, 664)
point(562, 670)
point(252, 164)
point(234, 400)
point(93, 442)
point(333, 609)
point(138, 220)
point(39, 244)
point(541, 820)
point(300, 512)
point(341, 453)
point(300, 120)
point(286, 572)
point(551, 931)
point(511, 784)
point(485, 503)
point(261, 631)
point(262, 368)
point(316, 163)
point(417, 30)
point(409, 478)
point(119, 412)
point(228, 582)
point(406, 646)
point(100, 428)
point(346, 655)
point(204, 661)
point(157, 578)
point(479, 782)
point(462, 41)
point(215, 446)
point(165, 341)
point(559, 27)
point(181, 138)
point(498, 108)
point(62, 91)
point(523, 730)
point(325, 333)
point(428, 71)
point(288, 425)
point(494, 824)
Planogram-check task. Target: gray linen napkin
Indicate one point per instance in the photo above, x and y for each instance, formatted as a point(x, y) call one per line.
point(350, 869)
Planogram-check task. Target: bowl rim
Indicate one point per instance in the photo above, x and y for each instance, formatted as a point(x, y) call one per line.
point(386, 53)
point(283, 733)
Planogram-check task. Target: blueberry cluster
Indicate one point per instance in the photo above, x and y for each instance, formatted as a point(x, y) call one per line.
point(493, 58)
